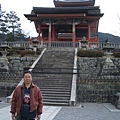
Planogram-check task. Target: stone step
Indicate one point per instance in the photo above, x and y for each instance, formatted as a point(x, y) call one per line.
point(55, 104)
point(53, 89)
point(60, 49)
point(59, 86)
point(55, 92)
point(52, 78)
point(55, 100)
point(54, 83)
point(56, 97)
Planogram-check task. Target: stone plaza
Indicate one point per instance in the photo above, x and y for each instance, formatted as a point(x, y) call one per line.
point(84, 111)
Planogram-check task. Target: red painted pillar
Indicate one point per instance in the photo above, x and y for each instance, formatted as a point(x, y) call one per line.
point(73, 34)
point(53, 33)
point(49, 37)
point(88, 34)
point(88, 31)
point(39, 32)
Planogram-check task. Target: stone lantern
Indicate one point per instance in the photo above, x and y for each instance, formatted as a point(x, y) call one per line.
point(4, 50)
point(3, 60)
point(84, 43)
point(108, 68)
point(35, 45)
point(107, 48)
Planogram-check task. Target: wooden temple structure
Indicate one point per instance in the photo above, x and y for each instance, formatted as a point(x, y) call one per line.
point(69, 20)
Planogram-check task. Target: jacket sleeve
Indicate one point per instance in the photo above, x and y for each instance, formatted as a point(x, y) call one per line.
point(40, 102)
point(13, 102)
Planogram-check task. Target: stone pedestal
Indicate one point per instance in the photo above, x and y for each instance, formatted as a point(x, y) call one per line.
point(118, 100)
point(9, 99)
point(4, 53)
point(108, 61)
point(4, 65)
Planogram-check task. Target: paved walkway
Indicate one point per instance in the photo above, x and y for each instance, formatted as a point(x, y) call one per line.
point(49, 112)
point(89, 111)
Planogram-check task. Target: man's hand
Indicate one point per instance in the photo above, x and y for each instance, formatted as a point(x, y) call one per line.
point(13, 116)
point(38, 117)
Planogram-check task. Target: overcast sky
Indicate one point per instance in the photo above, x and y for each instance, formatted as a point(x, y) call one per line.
point(109, 23)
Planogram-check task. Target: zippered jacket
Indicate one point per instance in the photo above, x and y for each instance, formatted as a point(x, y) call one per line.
point(35, 99)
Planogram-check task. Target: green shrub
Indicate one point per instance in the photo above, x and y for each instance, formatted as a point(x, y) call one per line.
point(90, 53)
point(26, 52)
point(23, 52)
point(38, 52)
point(21, 48)
point(13, 47)
point(17, 51)
point(116, 54)
point(29, 52)
point(11, 51)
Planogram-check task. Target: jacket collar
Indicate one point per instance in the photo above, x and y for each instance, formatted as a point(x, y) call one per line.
point(32, 85)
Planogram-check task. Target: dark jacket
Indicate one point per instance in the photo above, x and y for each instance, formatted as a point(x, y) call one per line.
point(35, 99)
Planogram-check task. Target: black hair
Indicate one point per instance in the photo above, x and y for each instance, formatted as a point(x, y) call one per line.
point(27, 72)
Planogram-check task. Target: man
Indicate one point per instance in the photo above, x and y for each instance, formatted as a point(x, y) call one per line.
point(27, 94)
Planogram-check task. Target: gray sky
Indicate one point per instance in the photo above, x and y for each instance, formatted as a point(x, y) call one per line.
point(109, 23)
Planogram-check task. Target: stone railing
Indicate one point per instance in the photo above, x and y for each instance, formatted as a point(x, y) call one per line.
point(91, 45)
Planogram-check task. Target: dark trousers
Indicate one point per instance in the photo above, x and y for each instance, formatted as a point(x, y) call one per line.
point(23, 118)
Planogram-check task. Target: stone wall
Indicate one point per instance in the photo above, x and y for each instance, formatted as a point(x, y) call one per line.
point(17, 64)
point(10, 79)
point(94, 87)
point(91, 67)
point(91, 85)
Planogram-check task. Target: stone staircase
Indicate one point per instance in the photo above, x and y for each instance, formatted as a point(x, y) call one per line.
point(51, 75)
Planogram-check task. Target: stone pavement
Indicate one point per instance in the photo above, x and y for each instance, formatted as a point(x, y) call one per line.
point(89, 111)
point(49, 112)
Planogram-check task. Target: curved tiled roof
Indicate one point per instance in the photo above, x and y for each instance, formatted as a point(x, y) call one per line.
point(59, 10)
point(71, 3)
point(73, 0)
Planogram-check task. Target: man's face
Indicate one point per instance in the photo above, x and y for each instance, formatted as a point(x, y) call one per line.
point(27, 78)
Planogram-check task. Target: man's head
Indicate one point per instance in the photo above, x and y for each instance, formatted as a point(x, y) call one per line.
point(27, 77)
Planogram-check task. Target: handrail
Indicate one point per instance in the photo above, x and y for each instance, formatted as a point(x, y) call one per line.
point(74, 79)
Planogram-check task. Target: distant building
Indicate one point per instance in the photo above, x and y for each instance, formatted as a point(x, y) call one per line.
point(69, 20)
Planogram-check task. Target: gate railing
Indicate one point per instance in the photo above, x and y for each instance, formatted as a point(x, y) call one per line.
point(91, 45)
